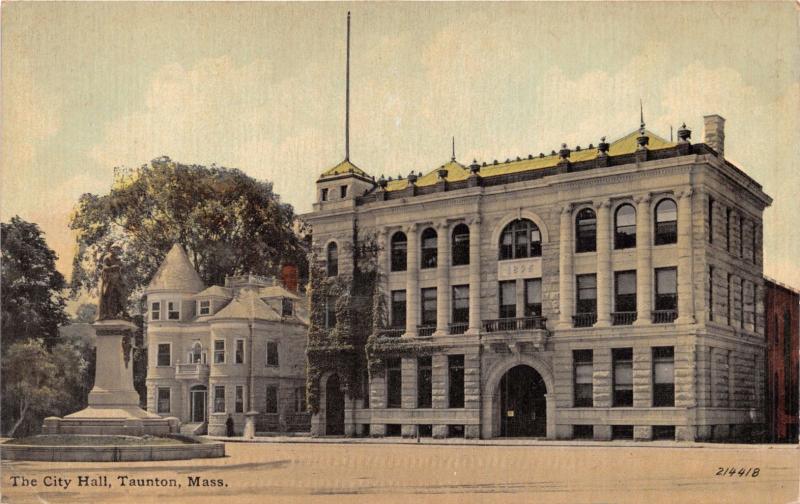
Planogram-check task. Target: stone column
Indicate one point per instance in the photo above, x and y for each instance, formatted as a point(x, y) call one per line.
point(550, 410)
point(412, 282)
point(474, 276)
point(604, 280)
point(685, 273)
point(442, 278)
point(566, 286)
point(644, 267)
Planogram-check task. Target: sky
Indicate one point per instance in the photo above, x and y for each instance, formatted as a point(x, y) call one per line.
point(260, 87)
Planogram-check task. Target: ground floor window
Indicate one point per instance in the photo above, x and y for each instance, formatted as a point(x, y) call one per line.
point(663, 376)
point(455, 431)
point(424, 382)
point(583, 431)
point(622, 432)
point(455, 364)
point(393, 430)
point(163, 400)
point(239, 405)
point(394, 383)
point(623, 376)
point(219, 399)
point(666, 432)
point(583, 369)
point(300, 399)
point(271, 399)
point(425, 430)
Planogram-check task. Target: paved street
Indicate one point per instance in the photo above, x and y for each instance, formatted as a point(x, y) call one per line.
point(375, 472)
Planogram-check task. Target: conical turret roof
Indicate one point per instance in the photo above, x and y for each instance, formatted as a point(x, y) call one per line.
point(176, 273)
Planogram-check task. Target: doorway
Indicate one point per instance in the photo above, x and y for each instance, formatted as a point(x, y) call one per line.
point(198, 398)
point(523, 406)
point(334, 407)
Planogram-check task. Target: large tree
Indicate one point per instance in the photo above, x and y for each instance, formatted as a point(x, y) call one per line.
point(32, 299)
point(228, 222)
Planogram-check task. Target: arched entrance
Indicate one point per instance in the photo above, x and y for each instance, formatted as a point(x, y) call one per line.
point(334, 407)
point(198, 398)
point(523, 405)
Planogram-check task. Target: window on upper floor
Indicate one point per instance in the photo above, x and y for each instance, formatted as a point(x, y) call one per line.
point(239, 353)
point(625, 227)
point(741, 237)
point(533, 297)
point(429, 307)
point(586, 231)
point(343, 191)
point(666, 222)
point(155, 310)
point(204, 307)
point(330, 313)
point(164, 354)
point(219, 398)
point(508, 299)
point(460, 313)
point(625, 291)
point(520, 238)
point(666, 289)
point(173, 310)
point(272, 353)
point(460, 245)
point(333, 259)
point(429, 249)
point(196, 355)
point(710, 212)
point(587, 293)
point(219, 351)
point(324, 194)
point(287, 307)
point(399, 308)
point(728, 229)
point(399, 251)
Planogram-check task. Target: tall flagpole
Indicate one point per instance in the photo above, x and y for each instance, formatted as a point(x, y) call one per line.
point(347, 97)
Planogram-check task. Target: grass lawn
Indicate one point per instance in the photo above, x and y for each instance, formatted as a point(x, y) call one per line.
point(89, 440)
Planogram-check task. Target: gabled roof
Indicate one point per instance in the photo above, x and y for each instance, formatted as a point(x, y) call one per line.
point(277, 291)
point(247, 305)
point(457, 172)
point(176, 273)
point(215, 291)
point(344, 168)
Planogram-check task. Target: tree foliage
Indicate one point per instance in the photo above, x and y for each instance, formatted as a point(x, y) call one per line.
point(32, 300)
point(228, 222)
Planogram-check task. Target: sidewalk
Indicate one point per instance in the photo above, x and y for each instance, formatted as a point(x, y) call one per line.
point(500, 442)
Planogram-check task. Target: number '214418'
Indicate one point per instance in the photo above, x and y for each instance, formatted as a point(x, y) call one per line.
point(742, 472)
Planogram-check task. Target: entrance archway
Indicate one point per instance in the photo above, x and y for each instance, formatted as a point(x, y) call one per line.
point(198, 400)
point(334, 407)
point(523, 404)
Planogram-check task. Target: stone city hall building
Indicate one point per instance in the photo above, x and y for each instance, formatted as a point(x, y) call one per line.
point(608, 292)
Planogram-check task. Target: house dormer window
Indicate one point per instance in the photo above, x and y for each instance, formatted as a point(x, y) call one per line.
point(155, 311)
point(173, 310)
point(324, 194)
point(287, 307)
point(204, 308)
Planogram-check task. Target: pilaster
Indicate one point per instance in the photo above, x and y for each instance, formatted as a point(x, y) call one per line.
point(604, 282)
point(644, 267)
point(442, 278)
point(685, 274)
point(566, 291)
point(474, 276)
point(412, 282)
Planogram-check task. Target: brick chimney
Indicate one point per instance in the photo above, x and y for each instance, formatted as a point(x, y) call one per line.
point(289, 277)
point(714, 126)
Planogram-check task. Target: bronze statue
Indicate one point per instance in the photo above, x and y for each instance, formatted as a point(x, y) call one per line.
point(113, 298)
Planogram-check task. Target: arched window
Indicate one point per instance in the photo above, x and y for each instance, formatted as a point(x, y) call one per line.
point(399, 251)
point(460, 245)
point(333, 259)
point(196, 354)
point(520, 238)
point(428, 248)
point(666, 222)
point(586, 231)
point(625, 227)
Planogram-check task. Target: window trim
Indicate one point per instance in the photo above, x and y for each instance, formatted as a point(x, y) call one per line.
point(171, 303)
point(514, 229)
point(656, 292)
point(531, 307)
point(220, 352)
point(663, 238)
point(617, 239)
point(422, 310)
point(154, 311)
point(200, 307)
point(578, 292)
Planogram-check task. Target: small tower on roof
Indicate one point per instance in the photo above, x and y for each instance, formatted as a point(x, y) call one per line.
point(345, 181)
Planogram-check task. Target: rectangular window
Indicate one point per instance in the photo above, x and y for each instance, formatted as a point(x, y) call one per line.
point(583, 431)
point(272, 353)
point(219, 351)
point(424, 382)
point(622, 432)
point(587, 293)
point(461, 304)
point(710, 219)
point(394, 383)
point(753, 251)
point(204, 307)
point(399, 308)
point(429, 307)
point(460, 246)
point(582, 376)
point(533, 297)
point(741, 303)
point(155, 311)
point(399, 254)
point(287, 307)
point(164, 354)
point(625, 291)
point(455, 366)
point(271, 404)
point(711, 293)
point(239, 355)
point(300, 399)
point(666, 289)
point(343, 191)
point(163, 400)
point(623, 376)
point(324, 196)
point(741, 237)
point(330, 313)
point(239, 404)
point(728, 229)
point(663, 432)
point(219, 398)
point(508, 299)
point(729, 307)
point(173, 310)
point(663, 376)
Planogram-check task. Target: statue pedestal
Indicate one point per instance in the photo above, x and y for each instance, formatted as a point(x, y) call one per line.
point(113, 402)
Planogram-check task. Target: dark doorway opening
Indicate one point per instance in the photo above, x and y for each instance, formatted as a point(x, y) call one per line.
point(334, 407)
point(523, 408)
